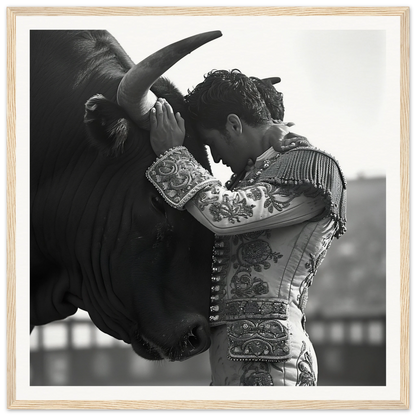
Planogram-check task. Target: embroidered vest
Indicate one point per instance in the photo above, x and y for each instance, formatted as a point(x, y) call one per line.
point(261, 279)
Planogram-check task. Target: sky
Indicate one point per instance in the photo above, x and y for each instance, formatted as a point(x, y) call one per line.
point(340, 75)
point(333, 81)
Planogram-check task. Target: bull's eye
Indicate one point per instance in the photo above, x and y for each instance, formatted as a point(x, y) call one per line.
point(158, 203)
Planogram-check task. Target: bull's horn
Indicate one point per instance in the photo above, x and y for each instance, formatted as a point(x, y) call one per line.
point(272, 80)
point(134, 93)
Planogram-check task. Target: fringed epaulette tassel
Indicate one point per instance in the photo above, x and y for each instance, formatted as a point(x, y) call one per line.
point(320, 171)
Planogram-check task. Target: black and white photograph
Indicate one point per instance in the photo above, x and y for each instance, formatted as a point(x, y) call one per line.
point(208, 200)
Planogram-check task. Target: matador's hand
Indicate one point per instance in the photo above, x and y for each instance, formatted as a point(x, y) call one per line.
point(167, 130)
point(282, 140)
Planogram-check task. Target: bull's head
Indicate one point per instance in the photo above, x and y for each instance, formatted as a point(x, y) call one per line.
point(156, 283)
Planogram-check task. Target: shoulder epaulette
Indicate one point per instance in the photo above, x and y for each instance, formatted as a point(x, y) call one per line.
point(317, 173)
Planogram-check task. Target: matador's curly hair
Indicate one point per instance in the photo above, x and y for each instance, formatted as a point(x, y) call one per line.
point(230, 92)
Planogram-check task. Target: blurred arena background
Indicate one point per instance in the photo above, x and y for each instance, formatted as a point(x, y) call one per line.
point(346, 319)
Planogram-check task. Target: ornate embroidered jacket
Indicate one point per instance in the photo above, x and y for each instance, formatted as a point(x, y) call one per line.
point(272, 233)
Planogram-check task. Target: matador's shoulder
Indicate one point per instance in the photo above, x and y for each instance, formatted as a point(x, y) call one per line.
point(316, 173)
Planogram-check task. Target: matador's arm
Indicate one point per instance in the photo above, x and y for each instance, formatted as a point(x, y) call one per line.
point(271, 203)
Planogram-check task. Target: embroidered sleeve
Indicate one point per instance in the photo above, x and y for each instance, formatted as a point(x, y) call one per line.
point(178, 176)
point(257, 207)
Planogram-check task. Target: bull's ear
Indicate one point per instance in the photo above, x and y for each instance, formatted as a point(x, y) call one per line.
point(107, 125)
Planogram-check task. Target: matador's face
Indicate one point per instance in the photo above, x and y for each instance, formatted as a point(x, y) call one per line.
point(226, 148)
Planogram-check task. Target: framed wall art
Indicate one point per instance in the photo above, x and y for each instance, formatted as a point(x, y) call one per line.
point(346, 74)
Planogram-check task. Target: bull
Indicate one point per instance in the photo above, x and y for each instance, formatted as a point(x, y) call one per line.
point(102, 239)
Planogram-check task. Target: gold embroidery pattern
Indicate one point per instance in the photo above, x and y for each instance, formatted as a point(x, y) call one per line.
point(306, 375)
point(231, 208)
point(256, 254)
point(245, 285)
point(258, 340)
point(254, 330)
point(256, 374)
point(178, 176)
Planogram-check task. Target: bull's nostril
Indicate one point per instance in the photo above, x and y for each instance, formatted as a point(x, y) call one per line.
point(198, 340)
point(193, 341)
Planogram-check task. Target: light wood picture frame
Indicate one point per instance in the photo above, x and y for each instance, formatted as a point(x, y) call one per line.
point(399, 398)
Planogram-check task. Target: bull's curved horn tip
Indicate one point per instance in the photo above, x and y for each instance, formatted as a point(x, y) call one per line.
point(211, 35)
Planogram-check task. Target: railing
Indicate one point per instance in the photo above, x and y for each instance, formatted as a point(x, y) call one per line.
point(351, 351)
point(348, 330)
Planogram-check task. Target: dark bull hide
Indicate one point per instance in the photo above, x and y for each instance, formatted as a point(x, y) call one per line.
point(101, 238)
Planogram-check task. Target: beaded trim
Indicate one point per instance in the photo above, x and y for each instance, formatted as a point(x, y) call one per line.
point(220, 266)
point(236, 309)
point(317, 173)
point(178, 176)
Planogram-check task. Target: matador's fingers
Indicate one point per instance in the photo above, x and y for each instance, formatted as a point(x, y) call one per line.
point(169, 112)
point(180, 121)
point(153, 119)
